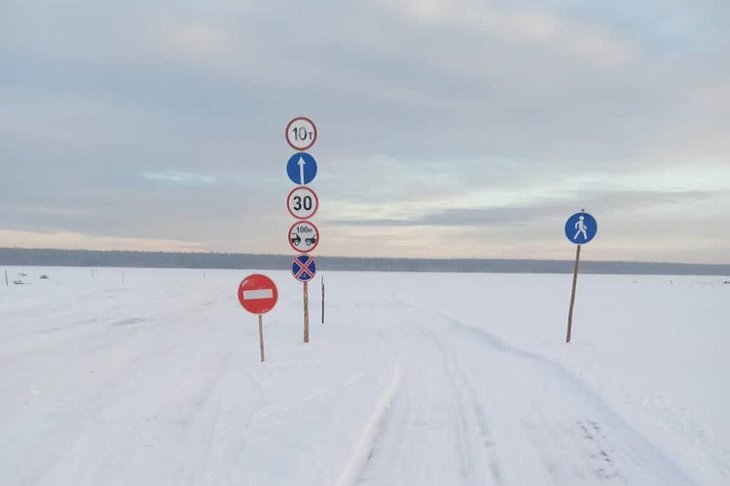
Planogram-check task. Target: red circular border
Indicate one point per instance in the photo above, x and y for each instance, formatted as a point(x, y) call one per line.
point(316, 200)
point(286, 133)
point(288, 237)
point(257, 276)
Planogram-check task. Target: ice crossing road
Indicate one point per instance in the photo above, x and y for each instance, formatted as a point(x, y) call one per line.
point(155, 379)
point(468, 409)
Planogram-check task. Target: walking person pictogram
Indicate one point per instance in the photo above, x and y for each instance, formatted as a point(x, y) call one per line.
point(580, 225)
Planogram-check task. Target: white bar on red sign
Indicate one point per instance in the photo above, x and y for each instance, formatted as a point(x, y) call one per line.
point(258, 294)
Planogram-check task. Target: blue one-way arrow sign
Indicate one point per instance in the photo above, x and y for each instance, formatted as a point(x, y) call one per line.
point(301, 168)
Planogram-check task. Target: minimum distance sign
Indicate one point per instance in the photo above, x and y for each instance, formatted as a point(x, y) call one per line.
point(302, 202)
point(303, 236)
point(581, 228)
point(303, 268)
point(257, 294)
point(301, 133)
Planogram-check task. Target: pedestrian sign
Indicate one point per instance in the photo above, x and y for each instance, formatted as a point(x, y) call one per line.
point(581, 228)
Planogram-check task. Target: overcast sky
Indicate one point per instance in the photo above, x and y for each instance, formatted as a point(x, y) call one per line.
point(456, 128)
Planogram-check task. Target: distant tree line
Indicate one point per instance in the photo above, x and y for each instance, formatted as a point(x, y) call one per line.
point(90, 258)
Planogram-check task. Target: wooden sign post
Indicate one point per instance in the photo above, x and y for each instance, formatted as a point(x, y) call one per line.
point(579, 229)
point(258, 295)
point(306, 312)
point(572, 294)
point(302, 203)
point(261, 337)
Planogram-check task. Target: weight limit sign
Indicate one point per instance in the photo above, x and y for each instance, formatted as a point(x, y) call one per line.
point(301, 133)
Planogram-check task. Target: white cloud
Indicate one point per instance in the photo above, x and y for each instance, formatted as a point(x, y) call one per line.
point(178, 177)
point(535, 29)
point(66, 240)
point(200, 42)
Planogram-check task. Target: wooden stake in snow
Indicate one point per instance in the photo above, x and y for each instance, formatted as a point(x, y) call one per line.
point(579, 229)
point(6, 279)
point(322, 299)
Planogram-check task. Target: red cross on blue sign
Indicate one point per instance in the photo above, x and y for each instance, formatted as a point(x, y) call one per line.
point(303, 268)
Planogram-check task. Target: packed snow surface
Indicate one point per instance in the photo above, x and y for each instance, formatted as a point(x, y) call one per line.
point(153, 377)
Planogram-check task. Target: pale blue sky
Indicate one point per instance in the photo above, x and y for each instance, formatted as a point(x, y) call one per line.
point(446, 128)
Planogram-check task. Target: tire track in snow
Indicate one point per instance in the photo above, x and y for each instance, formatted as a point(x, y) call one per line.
point(364, 448)
point(486, 436)
point(624, 444)
point(431, 434)
point(478, 422)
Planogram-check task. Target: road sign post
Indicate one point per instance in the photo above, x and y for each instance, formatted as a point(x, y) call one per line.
point(261, 337)
point(306, 311)
point(572, 294)
point(258, 295)
point(579, 229)
point(302, 203)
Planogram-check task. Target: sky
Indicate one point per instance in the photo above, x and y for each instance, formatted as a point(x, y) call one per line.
point(457, 129)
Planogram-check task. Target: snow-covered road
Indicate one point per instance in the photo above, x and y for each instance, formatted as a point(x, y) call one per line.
point(469, 409)
point(155, 379)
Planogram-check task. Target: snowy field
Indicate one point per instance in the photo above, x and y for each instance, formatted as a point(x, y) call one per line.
point(152, 377)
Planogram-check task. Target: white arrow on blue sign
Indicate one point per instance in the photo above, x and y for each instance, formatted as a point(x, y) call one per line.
point(303, 268)
point(301, 168)
point(581, 228)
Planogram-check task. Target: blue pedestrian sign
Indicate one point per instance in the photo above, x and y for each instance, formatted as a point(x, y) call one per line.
point(301, 168)
point(303, 268)
point(581, 228)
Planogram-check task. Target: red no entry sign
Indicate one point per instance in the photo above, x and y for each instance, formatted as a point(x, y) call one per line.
point(257, 294)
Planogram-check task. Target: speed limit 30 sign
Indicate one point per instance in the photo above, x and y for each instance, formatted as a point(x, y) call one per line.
point(302, 202)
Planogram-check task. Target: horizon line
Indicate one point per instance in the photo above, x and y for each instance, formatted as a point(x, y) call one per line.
point(412, 259)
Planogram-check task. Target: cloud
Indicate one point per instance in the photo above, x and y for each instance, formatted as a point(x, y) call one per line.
point(199, 41)
point(517, 215)
point(53, 211)
point(531, 28)
point(430, 112)
point(80, 241)
point(181, 178)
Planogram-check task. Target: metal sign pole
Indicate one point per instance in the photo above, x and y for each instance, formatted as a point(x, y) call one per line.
point(572, 294)
point(306, 312)
point(261, 336)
